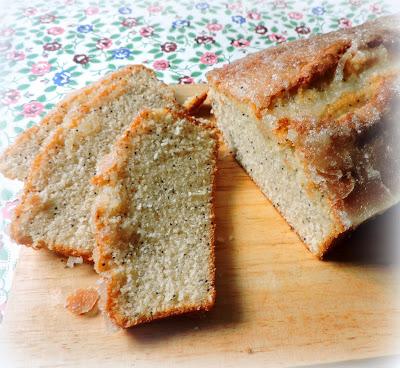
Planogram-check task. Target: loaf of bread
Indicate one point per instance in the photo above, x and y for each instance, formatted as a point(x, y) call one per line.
point(315, 124)
point(154, 219)
point(55, 207)
point(16, 160)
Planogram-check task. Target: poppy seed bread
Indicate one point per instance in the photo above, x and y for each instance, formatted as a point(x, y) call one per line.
point(55, 208)
point(154, 219)
point(315, 124)
point(16, 160)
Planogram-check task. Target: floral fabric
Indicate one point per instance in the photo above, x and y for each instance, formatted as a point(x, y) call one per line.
point(50, 48)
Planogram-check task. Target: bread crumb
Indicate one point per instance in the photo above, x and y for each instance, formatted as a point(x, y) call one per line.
point(72, 261)
point(231, 237)
point(249, 350)
point(82, 301)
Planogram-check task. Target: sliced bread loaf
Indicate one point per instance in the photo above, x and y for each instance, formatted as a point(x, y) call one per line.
point(315, 123)
point(154, 219)
point(55, 208)
point(16, 160)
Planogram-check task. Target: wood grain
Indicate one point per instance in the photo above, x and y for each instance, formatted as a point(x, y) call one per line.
point(276, 304)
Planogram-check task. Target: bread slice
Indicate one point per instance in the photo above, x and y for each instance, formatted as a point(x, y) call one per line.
point(314, 124)
point(16, 160)
point(55, 208)
point(154, 219)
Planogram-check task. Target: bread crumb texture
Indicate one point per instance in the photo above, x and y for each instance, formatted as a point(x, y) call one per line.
point(315, 124)
point(154, 219)
point(58, 197)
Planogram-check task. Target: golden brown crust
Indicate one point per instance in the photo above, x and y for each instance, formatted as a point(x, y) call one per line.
point(103, 259)
point(258, 79)
point(30, 202)
point(192, 104)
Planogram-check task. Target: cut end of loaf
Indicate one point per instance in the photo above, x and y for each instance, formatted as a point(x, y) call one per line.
point(278, 172)
point(154, 219)
point(315, 123)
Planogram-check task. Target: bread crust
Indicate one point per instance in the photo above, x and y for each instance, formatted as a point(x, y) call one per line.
point(260, 78)
point(344, 150)
point(30, 202)
point(192, 104)
point(36, 135)
point(109, 176)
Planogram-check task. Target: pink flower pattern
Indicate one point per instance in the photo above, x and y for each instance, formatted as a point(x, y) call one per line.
point(295, 15)
point(254, 15)
point(241, 43)
point(277, 38)
point(104, 43)
point(55, 31)
point(154, 8)
point(92, 10)
point(235, 6)
point(16, 55)
point(32, 109)
point(40, 68)
point(186, 80)
point(209, 58)
point(146, 31)
point(10, 97)
point(345, 23)
point(214, 27)
point(161, 64)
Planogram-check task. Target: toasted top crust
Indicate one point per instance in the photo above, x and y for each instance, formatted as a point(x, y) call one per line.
point(262, 77)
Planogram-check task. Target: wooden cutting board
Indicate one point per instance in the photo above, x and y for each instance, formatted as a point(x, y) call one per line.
point(276, 305)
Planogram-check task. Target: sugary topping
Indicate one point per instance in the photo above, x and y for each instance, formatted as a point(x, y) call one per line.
point(260, 78)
